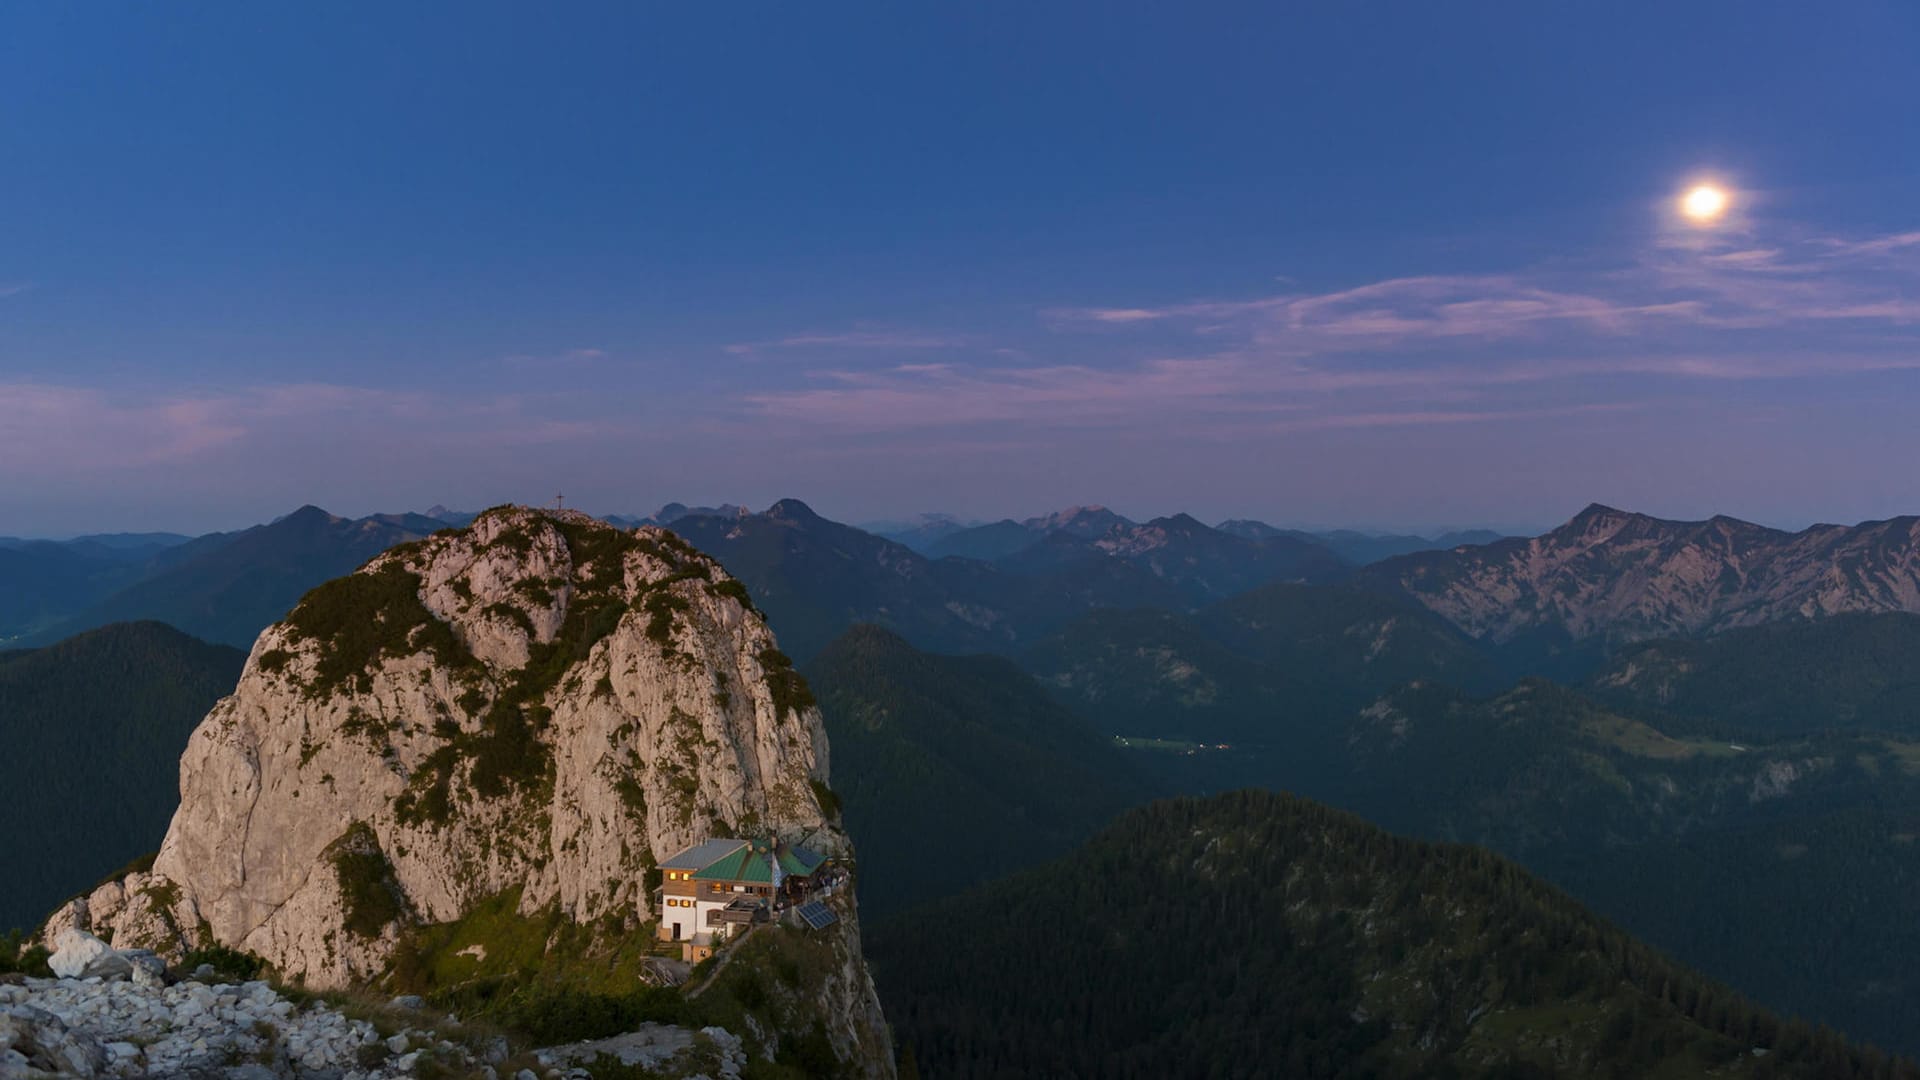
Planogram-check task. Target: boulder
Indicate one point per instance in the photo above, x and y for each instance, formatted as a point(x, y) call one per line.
point(79, 955)
point(147, 969)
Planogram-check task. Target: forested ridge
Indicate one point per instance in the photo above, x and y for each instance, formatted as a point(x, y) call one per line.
point(94, 728)
point(955, 769)
point(1255, 934)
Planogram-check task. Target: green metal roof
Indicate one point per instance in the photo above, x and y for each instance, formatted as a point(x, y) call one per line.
point(795, 859)
point(753, 863)
point(749, 864)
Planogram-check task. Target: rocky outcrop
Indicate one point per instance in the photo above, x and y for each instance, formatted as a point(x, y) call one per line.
point(538, 702)
point(64, 1028)
point(1618, 577)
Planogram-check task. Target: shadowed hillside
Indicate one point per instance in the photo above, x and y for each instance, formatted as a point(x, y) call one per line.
point(94, 727)
point(1200, 937)
point(956, 769)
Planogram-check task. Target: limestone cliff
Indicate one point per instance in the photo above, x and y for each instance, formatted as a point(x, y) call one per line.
point(537, 702)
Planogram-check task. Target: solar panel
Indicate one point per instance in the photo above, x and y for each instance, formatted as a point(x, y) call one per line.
point(817, 914)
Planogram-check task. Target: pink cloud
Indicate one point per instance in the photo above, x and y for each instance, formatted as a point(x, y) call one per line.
point(1684, 279)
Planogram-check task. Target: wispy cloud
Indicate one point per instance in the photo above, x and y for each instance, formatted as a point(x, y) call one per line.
point(854, 339)
point(1432, 306)
point(563, 358)
point(1438, 349)
point(13, 288)
point(88, 429)
point(1173, 391)
point(1700, 279)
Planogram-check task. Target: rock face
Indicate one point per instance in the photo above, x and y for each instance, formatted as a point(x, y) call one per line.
point(538, 701)
point(1618, 577)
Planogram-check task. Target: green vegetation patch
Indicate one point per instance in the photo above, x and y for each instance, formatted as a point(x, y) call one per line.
point(548, 980)
point(788, 687)
point(17, 956)
point(232, 963)
point(733, 589)
point(661, 606)
point(828, 798)
point(364, 617)
point(370, 899)
point(543, 975)
point(1642, 740)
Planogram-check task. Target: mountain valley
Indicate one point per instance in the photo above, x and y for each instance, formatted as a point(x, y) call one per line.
point(1701, 763)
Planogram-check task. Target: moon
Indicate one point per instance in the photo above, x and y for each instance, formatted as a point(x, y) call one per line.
point(1704, 204)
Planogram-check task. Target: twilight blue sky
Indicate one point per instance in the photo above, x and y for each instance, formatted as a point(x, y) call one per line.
point(1361, 263)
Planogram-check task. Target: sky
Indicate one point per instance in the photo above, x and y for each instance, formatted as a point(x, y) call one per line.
point(1380, 265)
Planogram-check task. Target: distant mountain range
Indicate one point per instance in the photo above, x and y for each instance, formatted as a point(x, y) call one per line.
point(1556, 604)
point(1784, 755)
point(1361, 548)
point(222, 587)
point(920, 532)
point(815, 577)
point(939, 535)
point(1608, 578)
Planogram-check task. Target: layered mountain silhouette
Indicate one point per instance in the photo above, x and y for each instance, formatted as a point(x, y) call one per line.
point(1608, 577)
point(1729, 757)
point(1360, 548)
point(227, 587)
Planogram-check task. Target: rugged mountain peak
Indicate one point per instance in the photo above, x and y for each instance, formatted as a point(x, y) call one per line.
point(1600, 511)
point(1618, 576)
point(1085, 522)
point(537, 703)
point(1600, 523)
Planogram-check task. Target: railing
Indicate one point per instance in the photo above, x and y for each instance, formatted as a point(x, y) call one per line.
point(738, 913)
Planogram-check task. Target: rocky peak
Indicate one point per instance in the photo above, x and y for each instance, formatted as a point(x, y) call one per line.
point(1621, 576)
point(1084, 522)
point(538, 704)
